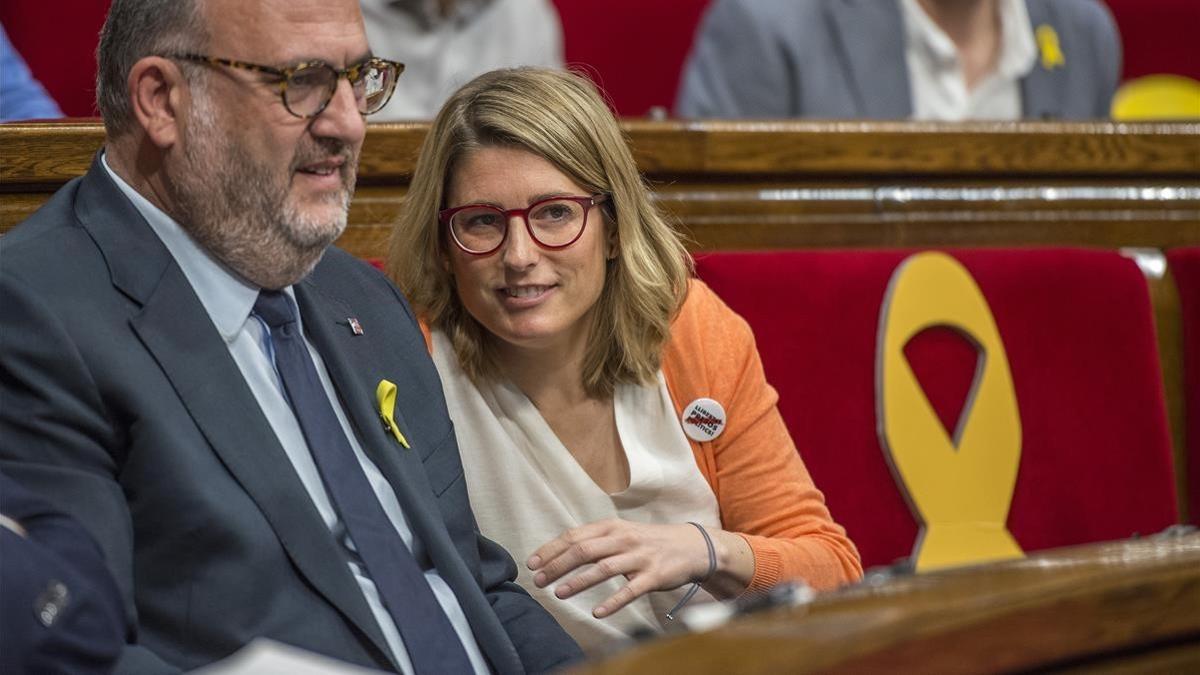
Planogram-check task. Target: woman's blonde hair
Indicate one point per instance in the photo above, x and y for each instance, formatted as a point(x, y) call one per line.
point(559, 116)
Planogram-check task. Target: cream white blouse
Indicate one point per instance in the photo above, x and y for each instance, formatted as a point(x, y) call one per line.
point(526, 488)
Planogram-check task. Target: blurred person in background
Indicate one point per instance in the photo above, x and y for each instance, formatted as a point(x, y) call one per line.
point(903, 59)
point(21, 96)
point(445, 43)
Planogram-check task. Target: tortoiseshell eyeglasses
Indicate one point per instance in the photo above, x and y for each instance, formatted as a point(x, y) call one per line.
point(306, 88)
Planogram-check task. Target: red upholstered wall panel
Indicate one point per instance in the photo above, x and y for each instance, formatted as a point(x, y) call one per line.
point(1159, 36)
point(1185, 266)
point(1078, 331)
point(635, 48)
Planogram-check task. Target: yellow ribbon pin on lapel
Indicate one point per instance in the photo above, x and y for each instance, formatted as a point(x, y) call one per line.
point(1048, 45)
point(385, 393)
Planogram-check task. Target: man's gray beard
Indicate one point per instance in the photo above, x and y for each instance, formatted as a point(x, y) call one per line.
point(228, 202)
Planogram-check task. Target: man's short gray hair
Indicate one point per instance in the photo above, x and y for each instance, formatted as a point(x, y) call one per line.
point(133, 30)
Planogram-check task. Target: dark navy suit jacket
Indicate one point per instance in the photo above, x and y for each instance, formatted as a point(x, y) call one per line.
point(60, 611)
point(119, 399)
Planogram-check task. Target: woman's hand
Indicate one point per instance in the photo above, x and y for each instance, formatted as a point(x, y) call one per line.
point(653, 557)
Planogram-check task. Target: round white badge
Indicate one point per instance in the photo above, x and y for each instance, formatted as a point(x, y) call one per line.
point(703, 419)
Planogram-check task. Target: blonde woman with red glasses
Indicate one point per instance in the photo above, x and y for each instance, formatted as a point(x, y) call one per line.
point(618, 436)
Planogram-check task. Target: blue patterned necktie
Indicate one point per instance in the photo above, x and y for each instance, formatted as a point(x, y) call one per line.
point(430, 639)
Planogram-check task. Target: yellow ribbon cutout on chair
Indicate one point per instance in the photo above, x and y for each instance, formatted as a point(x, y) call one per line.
point(385, 393)
point(1048, 45)
point(959, 488)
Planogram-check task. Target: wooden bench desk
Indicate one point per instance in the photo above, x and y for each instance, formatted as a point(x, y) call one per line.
point(1126, 606)
point(802, 184)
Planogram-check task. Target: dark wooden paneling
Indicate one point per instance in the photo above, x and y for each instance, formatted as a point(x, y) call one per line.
point(773, 184)
point(35, 151)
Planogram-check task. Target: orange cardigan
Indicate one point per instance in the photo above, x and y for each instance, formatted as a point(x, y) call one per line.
point(762, 486)
point(763, 490)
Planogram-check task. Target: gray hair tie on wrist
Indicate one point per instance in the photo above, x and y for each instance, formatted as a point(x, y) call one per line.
point(712, 568)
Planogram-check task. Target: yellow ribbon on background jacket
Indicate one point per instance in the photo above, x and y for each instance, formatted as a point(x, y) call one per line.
point(1049, 47)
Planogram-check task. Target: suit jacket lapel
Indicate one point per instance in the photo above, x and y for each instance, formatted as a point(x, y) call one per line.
point(326, 325)
point(871, 41)
point(1041, 89)
point(175, 328)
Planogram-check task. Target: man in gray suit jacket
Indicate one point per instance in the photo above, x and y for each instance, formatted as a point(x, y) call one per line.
point(850, 58)
point(233, 465)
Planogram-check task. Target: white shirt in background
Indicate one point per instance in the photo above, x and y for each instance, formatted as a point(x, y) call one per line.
point(935, 74)
point(442, 54)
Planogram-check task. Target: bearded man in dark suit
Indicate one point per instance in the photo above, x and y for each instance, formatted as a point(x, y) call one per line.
point(191, 370)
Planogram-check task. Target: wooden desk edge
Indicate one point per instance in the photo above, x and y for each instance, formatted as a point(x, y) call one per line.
point(1078, 605)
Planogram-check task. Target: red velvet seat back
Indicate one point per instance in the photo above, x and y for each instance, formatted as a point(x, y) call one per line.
point(1185, 266)
point(633, 49)
point(1078, 330)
